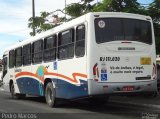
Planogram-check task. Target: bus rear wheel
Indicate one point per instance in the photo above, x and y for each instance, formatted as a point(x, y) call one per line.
point(50, 95)
point(15, 95)
point(12, 90)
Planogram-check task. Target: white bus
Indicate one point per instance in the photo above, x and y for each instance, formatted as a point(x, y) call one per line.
point(93, 56)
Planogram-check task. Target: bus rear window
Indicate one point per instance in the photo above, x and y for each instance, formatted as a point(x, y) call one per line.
point(122, 29)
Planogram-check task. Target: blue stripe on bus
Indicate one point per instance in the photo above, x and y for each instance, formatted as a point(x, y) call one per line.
point(64, 89)
point(70, 91)
point(30, 86)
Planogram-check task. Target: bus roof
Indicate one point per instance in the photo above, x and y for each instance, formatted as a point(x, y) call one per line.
point(73, 22)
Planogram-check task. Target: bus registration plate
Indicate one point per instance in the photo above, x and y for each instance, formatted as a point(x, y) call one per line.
point(128, 88)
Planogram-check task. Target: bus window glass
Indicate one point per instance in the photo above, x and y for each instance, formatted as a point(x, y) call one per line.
point(66, 37)
point(66, 44)
point(37, 51)
point(50, 48)
point(0, 68)
point(27, 54)
point(4, 66)
point(80, 41)
point(18, 54)
point(120, 29)
point(11, 59)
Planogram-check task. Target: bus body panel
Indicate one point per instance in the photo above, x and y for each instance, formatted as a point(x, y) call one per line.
point(75, 70)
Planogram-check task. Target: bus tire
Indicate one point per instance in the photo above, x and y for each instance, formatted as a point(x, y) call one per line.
point(50, 95)
point(12, 90)
point(15, 95)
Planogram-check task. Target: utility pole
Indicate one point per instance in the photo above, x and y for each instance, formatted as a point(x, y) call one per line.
point(33, 13)
point(65, 10)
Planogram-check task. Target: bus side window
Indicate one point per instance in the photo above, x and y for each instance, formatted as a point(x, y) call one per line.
point(0, 68)
point(18, 54)
point(50, 44)
point(66, 44)
point(4, 66)
point(80, 41)
point(27, 54)
point(11, 59)
point(37, 51)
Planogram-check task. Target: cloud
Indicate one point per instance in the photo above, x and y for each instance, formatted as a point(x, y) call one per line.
point(14, 17)
point(7, 41)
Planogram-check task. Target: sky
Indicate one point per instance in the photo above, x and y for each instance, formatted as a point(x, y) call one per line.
point(14, 15)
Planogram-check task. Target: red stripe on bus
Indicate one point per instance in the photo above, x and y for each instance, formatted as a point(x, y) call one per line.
point(55, 74)
point(25, 73)
point(68, 78)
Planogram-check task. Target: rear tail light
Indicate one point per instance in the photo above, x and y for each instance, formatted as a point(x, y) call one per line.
point(94, 69)
point(95, 72)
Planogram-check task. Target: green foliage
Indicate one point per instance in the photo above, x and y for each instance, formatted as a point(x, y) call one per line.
point(77, 9)
point(157, 44)
point(154, 11)
point(39, 23)
point(117, 6)
point(104, 6)
point(125, 5)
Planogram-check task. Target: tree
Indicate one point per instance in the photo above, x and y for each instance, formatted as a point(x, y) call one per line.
point(39, 23)
point(77, 9)
point(118, 6)
point(154, 11)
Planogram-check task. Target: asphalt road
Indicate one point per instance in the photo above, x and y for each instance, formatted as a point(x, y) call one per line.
point(116, 108)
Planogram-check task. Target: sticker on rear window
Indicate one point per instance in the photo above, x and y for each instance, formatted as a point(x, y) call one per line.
point(101, 24)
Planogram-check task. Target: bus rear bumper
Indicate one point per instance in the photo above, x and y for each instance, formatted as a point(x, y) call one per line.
point(98, 88)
